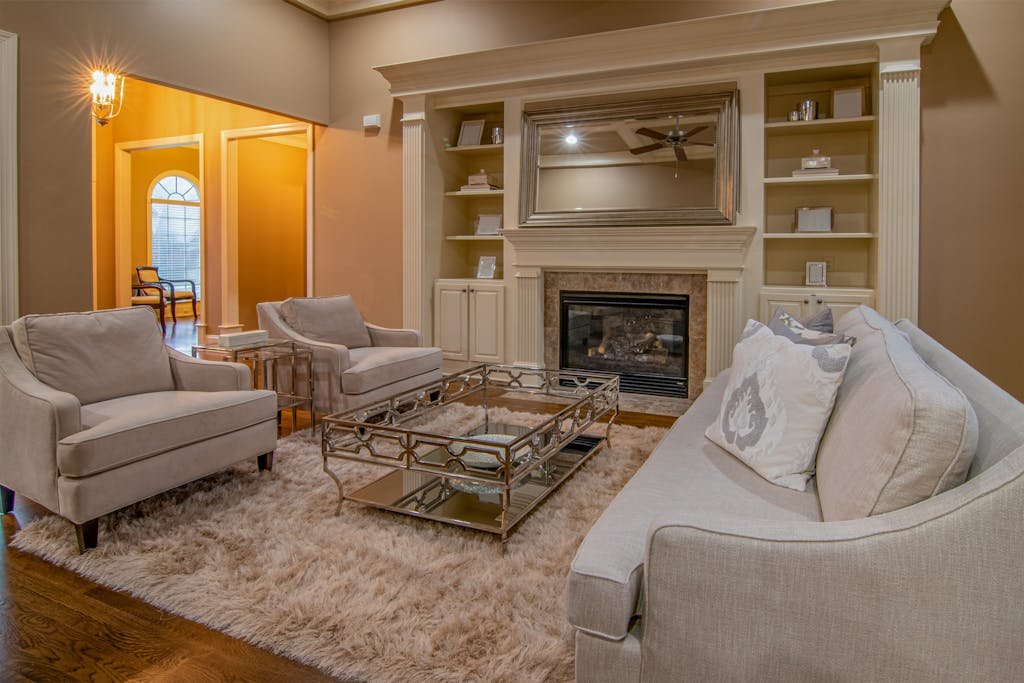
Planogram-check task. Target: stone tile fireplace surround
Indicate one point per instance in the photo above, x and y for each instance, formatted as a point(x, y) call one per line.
point(693, 285)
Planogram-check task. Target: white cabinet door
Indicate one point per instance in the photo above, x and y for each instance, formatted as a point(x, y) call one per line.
point(806, 301)
point(486, 322)
point(451, 320)
point(842, 303)
point(791, 302)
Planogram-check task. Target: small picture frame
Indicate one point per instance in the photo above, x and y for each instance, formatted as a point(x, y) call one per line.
point(847, 103)
point(486, 267)
point(471, 132)
point(814, 219)
point(488, 224)
point(816, 274)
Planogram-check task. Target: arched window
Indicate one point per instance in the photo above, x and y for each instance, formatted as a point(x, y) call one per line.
point(174, 219)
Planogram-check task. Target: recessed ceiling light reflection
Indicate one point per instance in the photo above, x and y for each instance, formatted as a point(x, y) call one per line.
point(571, 139)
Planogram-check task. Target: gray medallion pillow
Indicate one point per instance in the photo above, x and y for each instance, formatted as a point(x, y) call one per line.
point(785, 325)
point(819, 322)
point(777, 403)
point(331, 319)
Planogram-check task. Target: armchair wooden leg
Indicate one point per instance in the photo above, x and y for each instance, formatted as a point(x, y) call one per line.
point(265, 461)
point(6, 499)
point(195, 313)
point(86, 534)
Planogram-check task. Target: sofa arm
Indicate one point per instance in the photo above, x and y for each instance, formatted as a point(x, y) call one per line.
point(192, 374)
point(33, 418)
point(385, 336)
point(928, 592)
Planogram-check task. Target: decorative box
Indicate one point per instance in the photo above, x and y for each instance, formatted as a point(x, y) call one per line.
point(814, 219)
point(816, 160)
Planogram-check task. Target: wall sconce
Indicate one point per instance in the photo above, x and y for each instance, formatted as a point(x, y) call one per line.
point(107, 95)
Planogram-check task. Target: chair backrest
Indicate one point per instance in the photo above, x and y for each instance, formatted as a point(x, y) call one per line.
point(147, 273)
point(1000, 415)
point(96, 355)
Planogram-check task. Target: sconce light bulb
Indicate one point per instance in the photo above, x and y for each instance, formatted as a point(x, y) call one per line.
point(571, 139)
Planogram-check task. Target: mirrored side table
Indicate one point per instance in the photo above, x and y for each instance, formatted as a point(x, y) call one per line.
point(278, 365)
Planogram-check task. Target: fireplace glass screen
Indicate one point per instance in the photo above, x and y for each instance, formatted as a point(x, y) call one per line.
point(641, 337)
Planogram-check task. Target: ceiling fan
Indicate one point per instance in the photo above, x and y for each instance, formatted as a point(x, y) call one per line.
point(676, 139)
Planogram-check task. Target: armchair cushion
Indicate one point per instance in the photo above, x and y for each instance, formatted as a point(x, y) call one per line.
point(332, 319)
point(377, 366)
point(97, 355)
point(123, 430)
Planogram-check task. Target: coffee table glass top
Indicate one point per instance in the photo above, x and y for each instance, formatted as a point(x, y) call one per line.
point(456, 455)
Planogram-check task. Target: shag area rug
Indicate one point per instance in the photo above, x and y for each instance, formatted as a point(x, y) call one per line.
point(367, 594)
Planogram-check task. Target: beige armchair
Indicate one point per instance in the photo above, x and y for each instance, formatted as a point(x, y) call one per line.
point(96, 413)
point(354, 362)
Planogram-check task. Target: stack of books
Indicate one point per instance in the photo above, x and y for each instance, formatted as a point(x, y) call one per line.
point(237, 340)
point(478, 182)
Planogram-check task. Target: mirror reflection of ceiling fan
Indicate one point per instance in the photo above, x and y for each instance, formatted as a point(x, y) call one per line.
point(675, 140)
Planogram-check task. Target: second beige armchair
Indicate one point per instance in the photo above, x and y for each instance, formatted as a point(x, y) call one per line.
point(354, 362)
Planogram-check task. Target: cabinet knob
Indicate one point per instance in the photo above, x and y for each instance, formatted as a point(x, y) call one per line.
point(807, 301)
point(819, 301)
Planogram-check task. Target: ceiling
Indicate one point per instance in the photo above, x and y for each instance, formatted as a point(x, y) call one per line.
point(339, 9)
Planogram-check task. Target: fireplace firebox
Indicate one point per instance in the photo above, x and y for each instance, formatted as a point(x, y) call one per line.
point(641, 337)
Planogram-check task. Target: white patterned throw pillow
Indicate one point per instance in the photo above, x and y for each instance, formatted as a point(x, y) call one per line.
point(777, 403)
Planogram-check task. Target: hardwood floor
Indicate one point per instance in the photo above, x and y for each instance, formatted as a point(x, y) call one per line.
point(56, 625)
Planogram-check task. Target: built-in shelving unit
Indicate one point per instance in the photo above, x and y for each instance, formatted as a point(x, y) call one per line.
point(476, 149)
point(851, 142)
point(475, 193)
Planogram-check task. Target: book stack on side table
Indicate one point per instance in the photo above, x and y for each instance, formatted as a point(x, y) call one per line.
point(237, 340)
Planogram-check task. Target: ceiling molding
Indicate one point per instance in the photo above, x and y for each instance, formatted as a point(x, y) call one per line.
point(342, 9)
point(746, 37)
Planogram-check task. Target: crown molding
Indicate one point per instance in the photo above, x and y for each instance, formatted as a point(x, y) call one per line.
point(341, 9)
point(734, 38)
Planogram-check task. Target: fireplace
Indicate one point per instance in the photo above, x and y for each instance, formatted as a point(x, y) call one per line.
point(641, 337)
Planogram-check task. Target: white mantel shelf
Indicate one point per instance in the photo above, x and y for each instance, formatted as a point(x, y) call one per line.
point(643, 248)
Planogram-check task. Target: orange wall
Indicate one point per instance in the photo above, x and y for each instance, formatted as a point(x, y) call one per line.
point(153, 111)
point(972, 204)
point(147, 164)
point(263, 52)
point(271, 225)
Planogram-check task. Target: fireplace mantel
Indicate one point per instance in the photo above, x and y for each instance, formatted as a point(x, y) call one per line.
point(645, 248)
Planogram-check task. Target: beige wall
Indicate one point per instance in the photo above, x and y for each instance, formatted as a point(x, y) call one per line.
point(972, 187)
point(263, 52)
point(359, 176)
point(147, 165)
point(153, 112)
point(271, 225)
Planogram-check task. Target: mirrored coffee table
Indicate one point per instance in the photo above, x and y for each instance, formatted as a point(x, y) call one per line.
point(450, 457)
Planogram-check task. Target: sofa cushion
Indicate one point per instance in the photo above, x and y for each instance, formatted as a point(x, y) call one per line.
point(900, 431)
point(377, 366)
point(95, 356)
point(332, 319)
point(778, 401)
point(785, 325)
point(123, 430)
point(685, 473)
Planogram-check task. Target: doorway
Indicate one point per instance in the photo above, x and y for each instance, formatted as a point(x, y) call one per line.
point(267, 221)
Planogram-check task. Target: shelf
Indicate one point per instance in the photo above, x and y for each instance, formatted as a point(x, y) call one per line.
point(819, 235)
point(476, 149)
point(819, 126)
point(476, 193)
point(474, 238)
point(820, 180)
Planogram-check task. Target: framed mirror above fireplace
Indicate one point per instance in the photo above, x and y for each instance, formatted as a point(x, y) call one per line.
point(669, 161)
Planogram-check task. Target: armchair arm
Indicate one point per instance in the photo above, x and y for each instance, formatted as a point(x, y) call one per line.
point(385, 336)
point(172, 282)
point(192, 374)
point(33, 418)
point(928, 592)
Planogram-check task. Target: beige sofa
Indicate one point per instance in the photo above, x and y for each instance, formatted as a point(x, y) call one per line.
point(702, 570)
point(354, 362)
point(96, 413)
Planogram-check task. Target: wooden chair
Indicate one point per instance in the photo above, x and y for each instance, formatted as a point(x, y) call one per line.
point(150, 275)
point(150, 295)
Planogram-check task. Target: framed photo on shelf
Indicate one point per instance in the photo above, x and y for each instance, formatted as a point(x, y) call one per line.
point(471, 132)
point(488, 224)
point(486, 268)
point(816, 274)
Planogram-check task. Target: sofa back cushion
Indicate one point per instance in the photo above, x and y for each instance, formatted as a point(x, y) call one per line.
point(95, 356)
point(900, 431)
point(1000, 415)
point(331, 319)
